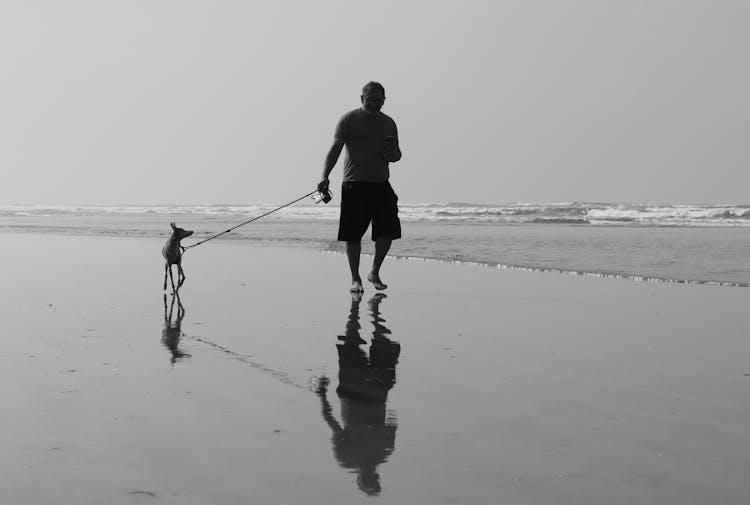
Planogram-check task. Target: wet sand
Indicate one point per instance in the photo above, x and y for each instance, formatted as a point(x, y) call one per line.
point(271, 385)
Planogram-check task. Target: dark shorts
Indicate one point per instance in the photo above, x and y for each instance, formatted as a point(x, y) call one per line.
point(363, 202)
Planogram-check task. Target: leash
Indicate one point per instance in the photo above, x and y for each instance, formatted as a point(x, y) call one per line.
point(250, 220)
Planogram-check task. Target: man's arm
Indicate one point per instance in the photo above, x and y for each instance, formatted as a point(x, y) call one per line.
point(392, 151)
point(397, 154)
point(397, 151)
point(331, 158)
point(325, 406)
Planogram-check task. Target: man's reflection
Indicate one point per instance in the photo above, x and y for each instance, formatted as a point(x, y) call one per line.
point(368, 436)
point(170, 335)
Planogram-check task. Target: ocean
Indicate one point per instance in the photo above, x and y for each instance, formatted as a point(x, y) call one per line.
point(696, 244)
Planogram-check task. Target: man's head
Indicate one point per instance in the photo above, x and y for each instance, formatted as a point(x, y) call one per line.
point(373, 97)
point(368, 481)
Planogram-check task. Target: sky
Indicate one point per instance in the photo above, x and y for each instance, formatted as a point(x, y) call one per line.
point(187, 102)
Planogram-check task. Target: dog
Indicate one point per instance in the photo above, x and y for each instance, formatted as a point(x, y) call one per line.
point(172, 252)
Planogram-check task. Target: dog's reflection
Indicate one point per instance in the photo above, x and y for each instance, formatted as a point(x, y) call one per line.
point(170, 335)
point(366, 435)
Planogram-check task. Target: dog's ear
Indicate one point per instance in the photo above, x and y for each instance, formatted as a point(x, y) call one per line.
point(172, 225)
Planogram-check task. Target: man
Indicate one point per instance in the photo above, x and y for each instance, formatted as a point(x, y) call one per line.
point(371, 141)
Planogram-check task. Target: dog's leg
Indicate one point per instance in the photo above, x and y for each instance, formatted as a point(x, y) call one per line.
point(180, 276)
point(171, 279)
point(166, 267)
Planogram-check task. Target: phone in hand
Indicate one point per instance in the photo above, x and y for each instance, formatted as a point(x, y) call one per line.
point(389, 149)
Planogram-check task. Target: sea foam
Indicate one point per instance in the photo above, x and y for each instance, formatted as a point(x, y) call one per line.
point(565, 213)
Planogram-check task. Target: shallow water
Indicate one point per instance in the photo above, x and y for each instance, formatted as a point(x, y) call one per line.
point(693, 254)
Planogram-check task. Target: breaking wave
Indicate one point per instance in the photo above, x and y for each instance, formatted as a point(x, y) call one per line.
point(567, 213)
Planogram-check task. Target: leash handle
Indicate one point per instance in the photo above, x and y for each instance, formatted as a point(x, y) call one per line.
point(250, 220)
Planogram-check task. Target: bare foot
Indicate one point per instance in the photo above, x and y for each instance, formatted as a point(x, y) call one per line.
point(357, 287)
point(375, 279)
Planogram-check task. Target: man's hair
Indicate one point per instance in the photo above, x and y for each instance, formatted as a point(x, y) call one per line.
point(372, 85)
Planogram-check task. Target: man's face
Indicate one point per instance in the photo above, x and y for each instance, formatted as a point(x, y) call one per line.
point(373, 100)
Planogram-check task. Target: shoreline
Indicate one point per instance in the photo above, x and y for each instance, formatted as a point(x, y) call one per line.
point(315, 245)
point(562, 271)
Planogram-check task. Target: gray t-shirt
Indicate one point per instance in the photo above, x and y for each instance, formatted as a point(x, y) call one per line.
point(364, 136)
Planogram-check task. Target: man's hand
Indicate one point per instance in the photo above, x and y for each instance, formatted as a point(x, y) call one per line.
point(391, 153)
point(323, 185)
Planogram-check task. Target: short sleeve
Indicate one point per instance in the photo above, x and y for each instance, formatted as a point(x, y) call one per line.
point(342, 129)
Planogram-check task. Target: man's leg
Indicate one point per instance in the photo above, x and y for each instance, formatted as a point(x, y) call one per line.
point(382, 245)
point(386, 227)
point(353, 250)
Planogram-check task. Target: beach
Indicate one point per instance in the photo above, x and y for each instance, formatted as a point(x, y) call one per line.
point(272, 385)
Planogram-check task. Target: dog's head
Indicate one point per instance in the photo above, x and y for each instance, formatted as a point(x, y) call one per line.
point(179, 232)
